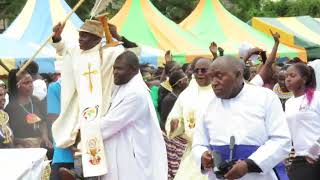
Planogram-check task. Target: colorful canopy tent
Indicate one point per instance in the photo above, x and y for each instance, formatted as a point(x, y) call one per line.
point(303, 31)
point(141, 22)
point(32, 27)
point(210, 21)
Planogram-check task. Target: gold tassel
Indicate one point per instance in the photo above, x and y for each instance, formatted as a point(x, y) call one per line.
point(104, 21)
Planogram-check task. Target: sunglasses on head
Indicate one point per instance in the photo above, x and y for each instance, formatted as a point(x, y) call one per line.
point(202, 70)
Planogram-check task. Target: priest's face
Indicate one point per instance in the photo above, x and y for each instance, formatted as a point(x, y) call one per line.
point(224, 80)
point(201, 70)
point(88, 40)
point(122, 72)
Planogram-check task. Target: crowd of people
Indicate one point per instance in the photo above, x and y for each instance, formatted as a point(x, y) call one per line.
point(250, 117)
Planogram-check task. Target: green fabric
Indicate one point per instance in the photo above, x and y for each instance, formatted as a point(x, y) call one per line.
point(141, 32)
point(154, 96)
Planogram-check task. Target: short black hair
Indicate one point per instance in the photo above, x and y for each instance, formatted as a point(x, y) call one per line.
point(185, 66)
point(32, 68)
point(176, 76)
point(130, 58)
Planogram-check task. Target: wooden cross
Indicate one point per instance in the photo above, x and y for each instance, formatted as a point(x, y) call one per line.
point(89, 73)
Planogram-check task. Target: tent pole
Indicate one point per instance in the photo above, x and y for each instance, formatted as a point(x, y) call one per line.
point(48, 39)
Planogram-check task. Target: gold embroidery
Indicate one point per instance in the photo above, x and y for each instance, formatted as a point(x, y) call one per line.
point(89, 73)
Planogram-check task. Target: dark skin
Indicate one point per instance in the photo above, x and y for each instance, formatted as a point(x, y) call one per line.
point(227, 82)
point(282, 81)
point(295, 82)
point(25, 89)
point(201, 72)
point(123, 72)
point(86, 40)
point(266, 70)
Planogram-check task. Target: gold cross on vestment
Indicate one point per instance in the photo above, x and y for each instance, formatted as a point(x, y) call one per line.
point(89, 73)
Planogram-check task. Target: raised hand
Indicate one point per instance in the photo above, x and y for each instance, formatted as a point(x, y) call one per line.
point(57, 30)
point(168, 56)
point(213, 48)
point(207, 160)
point(276, 36)
point(237, 171)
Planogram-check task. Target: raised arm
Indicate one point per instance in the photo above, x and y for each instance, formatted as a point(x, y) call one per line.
point(266, 70)
point(57, 42)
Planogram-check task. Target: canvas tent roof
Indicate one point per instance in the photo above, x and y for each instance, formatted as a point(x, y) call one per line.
point(32, 27)
point(141, 22)
point(210, 21)
point(303, 31)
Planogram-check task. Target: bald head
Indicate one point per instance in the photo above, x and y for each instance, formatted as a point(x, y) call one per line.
point(226, 74)
point(201, 71)
point(125, 67)
point(229, 63)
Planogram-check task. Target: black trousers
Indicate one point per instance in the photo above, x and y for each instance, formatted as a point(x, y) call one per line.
point(300, 169)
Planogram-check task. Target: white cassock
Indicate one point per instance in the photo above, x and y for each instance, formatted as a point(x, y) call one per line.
point(134, 146)
point(256, 119)
point(186, 109)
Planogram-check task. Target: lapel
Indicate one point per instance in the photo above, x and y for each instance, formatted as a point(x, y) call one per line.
point(117, 97)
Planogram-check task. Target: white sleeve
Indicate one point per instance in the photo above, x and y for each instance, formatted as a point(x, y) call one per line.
point(123, 114)
point(257, 81)
point(200, 142)
point(60, 47)
point(278, 146)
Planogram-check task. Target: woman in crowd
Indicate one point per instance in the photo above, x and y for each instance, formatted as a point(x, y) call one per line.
point(27, 116)
point(281, 89)
point(303, 116)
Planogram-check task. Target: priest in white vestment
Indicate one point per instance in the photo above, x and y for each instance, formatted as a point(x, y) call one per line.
point(186, 112)
point(253, 115)
point(134, 146)
point(86, 81)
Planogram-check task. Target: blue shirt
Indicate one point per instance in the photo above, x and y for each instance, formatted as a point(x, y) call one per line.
point(60, 155)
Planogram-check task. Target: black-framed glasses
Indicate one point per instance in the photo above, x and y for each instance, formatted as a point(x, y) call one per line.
point(202, 70)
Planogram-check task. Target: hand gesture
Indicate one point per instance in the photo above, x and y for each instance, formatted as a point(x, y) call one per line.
point(207, 160)
point(114, 32)
point(237, 171)
point(57, 30)
point(174, 124)
point(276, 36)
point(213, 48)
point(168, 56)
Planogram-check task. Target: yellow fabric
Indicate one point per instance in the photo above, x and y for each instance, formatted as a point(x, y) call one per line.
point(286, 38)
point(22, 21)
point(166, 85)
point(187, 110)
point(120, 17)
point(188, 23)
point(298, 27)
point(10, 63)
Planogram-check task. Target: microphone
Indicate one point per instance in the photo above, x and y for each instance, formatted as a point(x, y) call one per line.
point(231, 147)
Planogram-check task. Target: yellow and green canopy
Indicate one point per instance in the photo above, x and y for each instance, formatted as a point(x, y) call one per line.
point(303, 31)
point(210, 21)
point(141, 22)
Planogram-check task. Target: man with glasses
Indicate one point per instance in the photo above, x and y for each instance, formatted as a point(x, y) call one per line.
point(185, 113)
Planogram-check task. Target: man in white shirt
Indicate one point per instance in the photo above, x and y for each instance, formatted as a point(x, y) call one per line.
point(133, 141)
point(253, 115)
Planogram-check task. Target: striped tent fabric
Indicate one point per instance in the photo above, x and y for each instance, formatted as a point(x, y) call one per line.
point(303, 31)
point(141, 22)
point(31, 28)
point(210, 21)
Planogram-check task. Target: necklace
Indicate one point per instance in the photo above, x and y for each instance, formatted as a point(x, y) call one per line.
point(31, 118)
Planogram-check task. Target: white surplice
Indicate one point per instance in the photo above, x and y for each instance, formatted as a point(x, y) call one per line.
point(134, 146)
point(254, 117)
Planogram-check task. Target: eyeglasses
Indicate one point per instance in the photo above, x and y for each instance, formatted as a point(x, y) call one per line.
point(202, 70)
